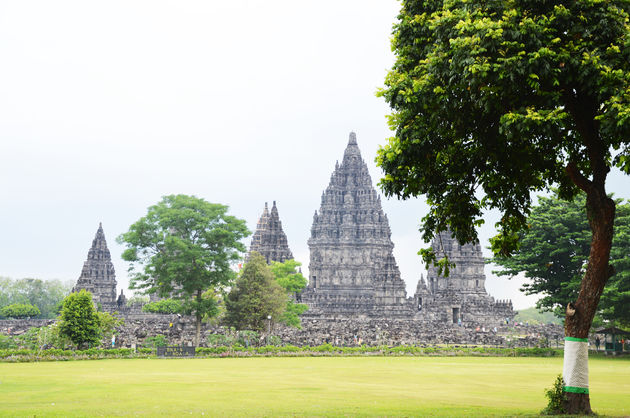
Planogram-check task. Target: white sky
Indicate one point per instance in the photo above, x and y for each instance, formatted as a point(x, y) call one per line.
point(107, 106)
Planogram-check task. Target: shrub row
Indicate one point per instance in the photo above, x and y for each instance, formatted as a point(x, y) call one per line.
point(27, 355)
point(328, 349)
point(56, 354)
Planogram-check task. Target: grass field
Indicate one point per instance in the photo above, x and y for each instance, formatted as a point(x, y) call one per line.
point(330, 386)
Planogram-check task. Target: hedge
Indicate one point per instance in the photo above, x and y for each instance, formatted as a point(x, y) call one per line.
point(55, 354)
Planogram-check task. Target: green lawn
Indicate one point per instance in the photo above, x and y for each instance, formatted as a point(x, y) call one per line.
point(353, 386)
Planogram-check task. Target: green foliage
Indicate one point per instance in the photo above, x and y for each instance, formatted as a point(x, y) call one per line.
point(220, 340)
point(46, 295)
point(556, 398)
point(292, 280)
point(6, 342)
point(183, 248)
point(292, 312)
point(274, 340)
point(108, 323)
point(255, 296)
point(288, 276)
point(554, 251)
point(138, 300)
point(156, 341)
point(57, 354)
point(247, 338)
point(164, 306)
point(20, 310)
point(50, 337)
point(79, 321)
point(493, 100)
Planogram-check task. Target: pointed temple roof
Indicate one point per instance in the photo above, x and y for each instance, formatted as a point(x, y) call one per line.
point(269, 239)
point(467, 277)
point(98, 275)
point(352, 262)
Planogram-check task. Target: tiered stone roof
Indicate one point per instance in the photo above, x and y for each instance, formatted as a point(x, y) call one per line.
point(460, 297)
point(352, 267)
point(98, 275)
point(269, 240)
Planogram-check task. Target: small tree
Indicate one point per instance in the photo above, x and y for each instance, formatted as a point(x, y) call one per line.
point(19, 310)
point(183, 248)
point(79, 320)
point(255, 296)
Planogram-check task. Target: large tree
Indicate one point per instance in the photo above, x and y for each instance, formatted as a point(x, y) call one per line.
point(255, 297)
point(183, 248)
point(493, 100)
point(553, 253)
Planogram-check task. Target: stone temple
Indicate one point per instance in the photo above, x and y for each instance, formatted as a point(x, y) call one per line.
point(98, 275)
point(352, 268)
point(460, 297)
point(269, 240)
point(353, 273)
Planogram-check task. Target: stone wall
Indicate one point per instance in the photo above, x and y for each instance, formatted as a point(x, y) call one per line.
point(342, 332)
point(20, 326)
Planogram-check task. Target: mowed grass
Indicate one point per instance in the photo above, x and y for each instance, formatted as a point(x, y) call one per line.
point(324, 386)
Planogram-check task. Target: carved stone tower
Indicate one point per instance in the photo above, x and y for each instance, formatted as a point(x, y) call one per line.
point(461, 297)
point(98, 275)
point(352, 268)
point(269, 240)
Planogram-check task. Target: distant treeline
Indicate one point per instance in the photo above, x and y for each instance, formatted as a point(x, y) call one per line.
point(46, 295)
point(533, 316)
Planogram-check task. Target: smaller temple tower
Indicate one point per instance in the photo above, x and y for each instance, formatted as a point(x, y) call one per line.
point(98, 276)
point(460, 298)
point(269, 240)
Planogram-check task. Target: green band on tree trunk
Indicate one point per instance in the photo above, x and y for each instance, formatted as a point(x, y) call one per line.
point(574, 389)
point(581, 340)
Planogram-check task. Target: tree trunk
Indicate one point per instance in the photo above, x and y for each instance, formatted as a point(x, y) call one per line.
point(198, 319)
point(601, 214)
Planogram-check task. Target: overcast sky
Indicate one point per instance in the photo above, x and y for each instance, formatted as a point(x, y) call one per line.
point(107, 106)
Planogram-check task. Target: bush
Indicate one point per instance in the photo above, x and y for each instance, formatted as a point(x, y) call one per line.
point(20, 310)
point(164, 306)
point(220, 340)
point(557, 399)
point(274, 340)
point(155, 341)
point(7, 342)
point(79, 320)
point(247, 338)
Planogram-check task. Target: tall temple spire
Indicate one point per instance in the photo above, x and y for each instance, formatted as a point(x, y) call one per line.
point(352, 267)
point(98, 275)
point(269, 239)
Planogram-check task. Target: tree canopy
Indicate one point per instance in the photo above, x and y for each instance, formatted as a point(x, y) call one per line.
point(183, 248)
point(554, 251)
point(19, 310)
point(494, 100)
point(79, 320)
point(255, 296)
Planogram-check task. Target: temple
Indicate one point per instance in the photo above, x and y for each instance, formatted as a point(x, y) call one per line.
point(98, 276)
point(269, 240)
point(460, 297)
point(352, 268)
point(353, 273)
